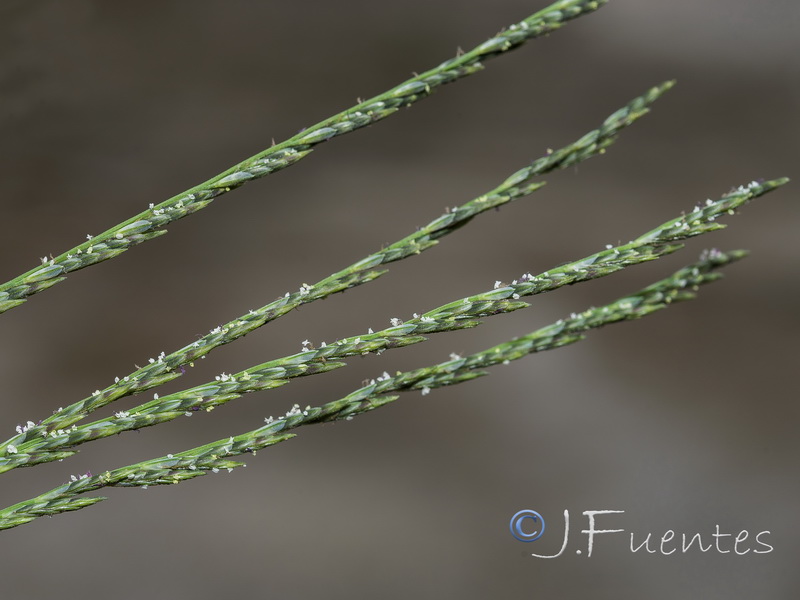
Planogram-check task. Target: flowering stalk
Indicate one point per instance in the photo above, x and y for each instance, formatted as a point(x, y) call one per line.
point(460, 314)
point(167, 367)
point(213, 457)
point(149, 223)
point(680, 286)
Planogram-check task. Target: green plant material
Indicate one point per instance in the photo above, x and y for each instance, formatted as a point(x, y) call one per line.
point(167, 367)
point(149, 223)
point(58, 436)
point(159, 471)
point(36, 444)
point(213, 457)
point(680, 286)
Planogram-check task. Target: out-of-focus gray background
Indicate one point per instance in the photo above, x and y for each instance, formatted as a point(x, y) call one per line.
point(685, 420)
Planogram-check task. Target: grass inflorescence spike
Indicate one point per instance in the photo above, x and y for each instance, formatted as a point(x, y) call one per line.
point(167, 367)
point(214, 457)
point(150, 223)
point(36, 443)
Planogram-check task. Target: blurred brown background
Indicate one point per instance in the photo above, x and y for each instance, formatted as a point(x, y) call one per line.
point(684, 420)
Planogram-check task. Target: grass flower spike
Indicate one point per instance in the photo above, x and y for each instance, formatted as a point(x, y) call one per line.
point(58, 437)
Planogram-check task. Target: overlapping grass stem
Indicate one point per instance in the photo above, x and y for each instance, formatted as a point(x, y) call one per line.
point(58, 436)
point(213, 457)
point(166, 367)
